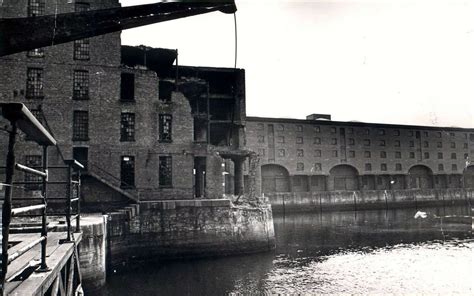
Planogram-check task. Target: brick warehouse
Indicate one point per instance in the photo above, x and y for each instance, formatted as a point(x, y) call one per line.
point(146, 130)
point(317, 155)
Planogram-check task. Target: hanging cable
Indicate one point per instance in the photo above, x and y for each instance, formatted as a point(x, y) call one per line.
point(55, 22)
point(235, 41)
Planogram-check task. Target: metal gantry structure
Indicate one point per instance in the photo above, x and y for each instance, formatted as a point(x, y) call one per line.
point(21, 118)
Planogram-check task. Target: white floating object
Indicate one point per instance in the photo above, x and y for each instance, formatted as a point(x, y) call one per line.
point(420, 214)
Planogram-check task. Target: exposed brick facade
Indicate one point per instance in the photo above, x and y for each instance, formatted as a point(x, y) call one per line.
point(103, 106)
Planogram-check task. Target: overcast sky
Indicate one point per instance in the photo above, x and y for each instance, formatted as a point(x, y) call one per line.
point(389, 61)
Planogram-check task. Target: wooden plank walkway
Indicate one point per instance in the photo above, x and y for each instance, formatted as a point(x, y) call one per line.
point(37, 283)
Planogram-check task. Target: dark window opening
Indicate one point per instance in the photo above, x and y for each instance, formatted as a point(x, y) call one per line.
point(200, 131)
point(165, 91)
point(127, 127)
point(127, 87)
point(127, 172)
point(165, 130)
point(33, 161)
point(81, 85)
point(221, 109)
point(34, 83)
point(81, 154)
point(80, 130)
point(220, 135)
point(165, 173)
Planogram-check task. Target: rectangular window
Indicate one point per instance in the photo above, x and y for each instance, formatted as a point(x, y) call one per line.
point(333, 141)
point(299, 140)
point(427, 155)
point(397, 143)
point(453, 155)
point(80, 130)
point(410, 133)
point(426, 144)
point(280, 127)
point(382, 143)
point(127, 87)
point(35, 53)
point(334, 153)
point(454, 167)
point(439, 144)
point(465, 146)
point(383, 167)
point(438, 134)
point(299, 128)
point(398, 166)
point(366, 142)
point(35, 7)
point(34, 83)
point(333, 130)
point(261, 139)
point(383, 154)
point(317, 167)
point(466, 156)
point(166, 172)
point(452, 134)
point(381, 132)
point(350, 131)
point(440, 155)
point(299, 152)
point(367, 154)
point(317, 141)
point(317, 153)
point(166, 89)
point(260, 127)
point(82, 49)
point(425, 134)
point(412, 143)
point(453, 144)
point(440, 167)
point(281, 152)
point(81, 6)
point(352, 154)
point(396, 133)
point(33, 161)
point(261, 152)
point(317, 129)
point(165, 132)
point(300, 166)
point(368, 167)
point(398, 154)
point(281, 139)
point(471, 137)
point(80, 85)
point(127, 172)
point(127, 127)
point(351, 141)
point(412, 154)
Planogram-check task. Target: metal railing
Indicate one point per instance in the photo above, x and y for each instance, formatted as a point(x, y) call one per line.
point(21, 118)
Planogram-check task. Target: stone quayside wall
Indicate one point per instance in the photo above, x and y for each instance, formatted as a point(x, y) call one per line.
point(163, 230)
point(367, 199)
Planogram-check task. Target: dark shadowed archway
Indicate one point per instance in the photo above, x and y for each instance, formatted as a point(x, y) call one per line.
point(344, 177)
point(275, 178)
point(420, 177)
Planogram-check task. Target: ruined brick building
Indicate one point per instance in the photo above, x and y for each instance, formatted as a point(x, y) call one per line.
point(318, 154)
point(145, 129)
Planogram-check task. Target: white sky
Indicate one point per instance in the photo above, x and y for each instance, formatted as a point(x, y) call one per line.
point(387, 61)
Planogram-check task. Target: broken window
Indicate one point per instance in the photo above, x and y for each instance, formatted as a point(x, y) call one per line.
point(82, 49)
point(127, 172)
point(127, 87)
point(34, 83)
point(80, 128)
point(33, 161)
point(165, 90)
point(165, 128)
point(35, 7)
point(165, 173)
point(127, 127)
point(300, 152)
point(81, 85)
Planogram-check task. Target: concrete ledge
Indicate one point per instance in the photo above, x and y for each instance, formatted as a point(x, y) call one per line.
point(173, 204)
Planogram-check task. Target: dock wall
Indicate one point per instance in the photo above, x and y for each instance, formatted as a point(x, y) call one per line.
point(367, 199)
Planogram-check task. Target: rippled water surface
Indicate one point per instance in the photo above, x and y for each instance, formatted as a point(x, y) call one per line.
point(368, 252)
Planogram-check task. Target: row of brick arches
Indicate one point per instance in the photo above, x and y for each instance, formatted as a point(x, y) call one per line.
point(275, 178)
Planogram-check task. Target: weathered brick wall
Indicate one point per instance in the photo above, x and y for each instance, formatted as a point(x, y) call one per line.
point(179, 229)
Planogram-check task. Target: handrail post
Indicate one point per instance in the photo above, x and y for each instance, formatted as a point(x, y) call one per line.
point(44, 222)
point(68, 202)
point(7, 204)
point(78, 191)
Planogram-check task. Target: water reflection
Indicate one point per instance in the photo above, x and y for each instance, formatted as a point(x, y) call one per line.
point(339, 252)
